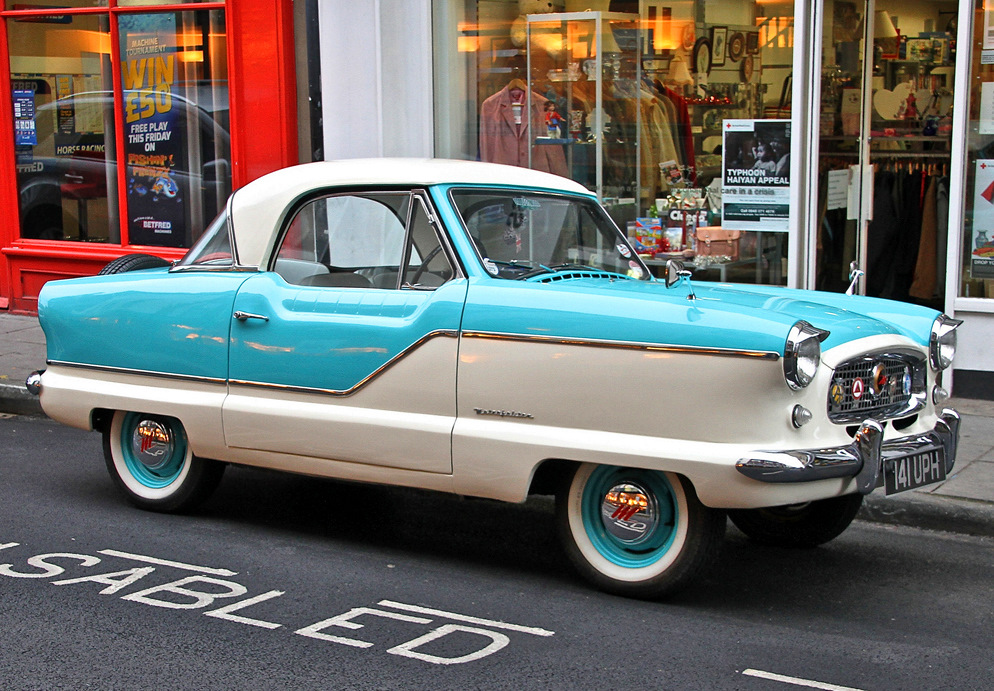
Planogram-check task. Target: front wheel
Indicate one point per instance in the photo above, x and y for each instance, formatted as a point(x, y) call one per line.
point(798, 525)
point(151, 461)
point(637, 533)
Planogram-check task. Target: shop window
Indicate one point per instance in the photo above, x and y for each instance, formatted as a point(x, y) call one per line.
point(177, 149)
point(149, 3)
point(885, 142)
point(171, 115)
point(977, 250)
point(65, 149)
point(647, 104)
point(53, 4)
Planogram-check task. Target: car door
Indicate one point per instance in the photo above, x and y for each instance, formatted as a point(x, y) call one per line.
point(346, 348)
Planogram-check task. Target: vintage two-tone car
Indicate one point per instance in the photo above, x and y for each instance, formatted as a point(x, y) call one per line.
point(488, 331)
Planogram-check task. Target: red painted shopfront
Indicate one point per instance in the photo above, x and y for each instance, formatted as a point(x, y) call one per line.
point(128, 123)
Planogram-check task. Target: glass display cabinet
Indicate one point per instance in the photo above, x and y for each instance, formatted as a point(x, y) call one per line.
point(585, 91)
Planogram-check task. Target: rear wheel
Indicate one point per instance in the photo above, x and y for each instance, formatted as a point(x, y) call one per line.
point(151, 461)
point(638, 533)
point(132, 262)
point(799, 525)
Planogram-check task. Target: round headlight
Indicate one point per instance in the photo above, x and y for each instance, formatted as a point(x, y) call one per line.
point(942, 343)
point(802, 355)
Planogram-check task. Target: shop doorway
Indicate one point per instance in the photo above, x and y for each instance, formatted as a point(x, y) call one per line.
point(885, 130)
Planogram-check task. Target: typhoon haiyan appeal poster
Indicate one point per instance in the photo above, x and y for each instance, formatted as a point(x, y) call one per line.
point(755, 191)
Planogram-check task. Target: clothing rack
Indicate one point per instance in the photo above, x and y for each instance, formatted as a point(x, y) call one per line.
point(931, 169)
point(931, 163)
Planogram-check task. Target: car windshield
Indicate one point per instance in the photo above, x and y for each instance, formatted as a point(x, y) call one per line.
point(523, 234)
point(214, 246)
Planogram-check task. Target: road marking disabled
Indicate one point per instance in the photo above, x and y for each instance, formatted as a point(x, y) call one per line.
point(797, 681)
point(166, 562)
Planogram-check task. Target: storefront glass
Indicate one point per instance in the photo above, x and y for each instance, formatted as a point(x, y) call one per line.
point(151, 3)
point(885, 147)
point(65, 146)
point(175, 118)
point(171, 115)
point(650, 105)
point(52, 4)
point(977, 252)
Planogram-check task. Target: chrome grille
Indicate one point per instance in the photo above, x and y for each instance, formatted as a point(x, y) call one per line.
point(877, 385)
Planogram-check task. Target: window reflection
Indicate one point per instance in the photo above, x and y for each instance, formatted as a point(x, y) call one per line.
point(635, 100)
point(172, 116)
point(64, 145)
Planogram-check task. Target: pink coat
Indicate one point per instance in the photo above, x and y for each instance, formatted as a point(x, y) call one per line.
point(502, 141)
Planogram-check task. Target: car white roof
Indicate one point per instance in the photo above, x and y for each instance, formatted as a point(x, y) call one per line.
point(258, 208)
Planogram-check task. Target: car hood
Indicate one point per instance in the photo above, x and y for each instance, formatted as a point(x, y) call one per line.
point(728, 316)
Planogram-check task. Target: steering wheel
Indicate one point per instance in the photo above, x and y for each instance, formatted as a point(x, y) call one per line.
point(424, 265)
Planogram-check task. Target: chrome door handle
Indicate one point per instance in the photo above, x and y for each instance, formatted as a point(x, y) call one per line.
point(242, 316)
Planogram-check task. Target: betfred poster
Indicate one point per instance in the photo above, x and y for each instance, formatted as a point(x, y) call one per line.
point(982, 240)
point(25, 131)
point(153, 139)
point(755, 191)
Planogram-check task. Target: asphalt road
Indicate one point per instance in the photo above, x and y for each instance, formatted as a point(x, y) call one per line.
point(284, 581)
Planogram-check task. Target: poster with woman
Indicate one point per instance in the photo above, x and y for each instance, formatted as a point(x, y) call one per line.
point(756, 175)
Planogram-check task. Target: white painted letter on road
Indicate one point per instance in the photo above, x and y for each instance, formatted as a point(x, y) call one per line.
point(49, 570)
point(199, 599)
point(497, 641)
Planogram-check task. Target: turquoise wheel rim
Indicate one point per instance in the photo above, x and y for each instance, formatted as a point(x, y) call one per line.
point(154, 449)
point(629, 515)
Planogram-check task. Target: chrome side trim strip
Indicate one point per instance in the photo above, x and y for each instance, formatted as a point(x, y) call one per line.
point(627, 345)
point(447, 333)
point(138, 372)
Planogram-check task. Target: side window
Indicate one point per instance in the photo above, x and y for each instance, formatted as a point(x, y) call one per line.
point(346, 241)
point(363, 241)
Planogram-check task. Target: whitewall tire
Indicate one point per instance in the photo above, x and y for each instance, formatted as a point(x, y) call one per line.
point(151, 461)
point(634, 532)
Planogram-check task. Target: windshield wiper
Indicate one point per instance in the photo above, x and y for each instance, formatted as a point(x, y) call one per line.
point(554, 268)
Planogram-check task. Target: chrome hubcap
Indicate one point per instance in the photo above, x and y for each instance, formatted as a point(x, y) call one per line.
point(630, 513)
point(152, 444)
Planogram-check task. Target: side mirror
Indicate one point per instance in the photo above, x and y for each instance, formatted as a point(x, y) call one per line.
point(855, 273)
point(675, 270)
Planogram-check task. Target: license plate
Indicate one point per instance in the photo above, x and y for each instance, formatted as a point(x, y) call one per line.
point(911, 472)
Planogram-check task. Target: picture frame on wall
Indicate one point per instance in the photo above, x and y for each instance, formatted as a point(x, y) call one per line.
point(752, 42)
point(702, 56)
point(719, 39)
point(736, 46)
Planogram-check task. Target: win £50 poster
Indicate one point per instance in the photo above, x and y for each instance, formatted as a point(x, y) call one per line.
point(153, 137)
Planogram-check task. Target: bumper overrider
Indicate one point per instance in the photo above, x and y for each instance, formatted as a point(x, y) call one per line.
point(864, 459)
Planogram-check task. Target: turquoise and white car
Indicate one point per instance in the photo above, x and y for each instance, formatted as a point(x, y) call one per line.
point(488, 331)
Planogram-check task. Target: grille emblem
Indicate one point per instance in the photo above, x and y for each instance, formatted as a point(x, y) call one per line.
point(857, 388)
point(838, 394)
point(878, 379)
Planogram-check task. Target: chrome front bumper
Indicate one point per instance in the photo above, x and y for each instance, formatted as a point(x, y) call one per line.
point(863, 459)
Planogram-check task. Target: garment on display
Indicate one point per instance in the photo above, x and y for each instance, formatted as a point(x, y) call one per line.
point(504, 130)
